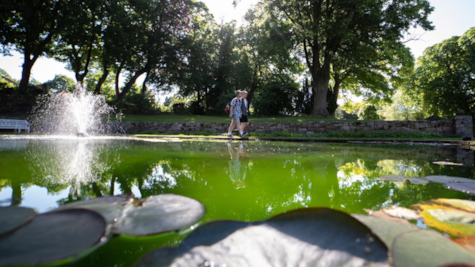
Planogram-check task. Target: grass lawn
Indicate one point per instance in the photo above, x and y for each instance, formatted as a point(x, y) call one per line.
point(194, 118)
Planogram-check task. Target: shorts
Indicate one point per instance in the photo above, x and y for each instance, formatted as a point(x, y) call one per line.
point(244, 118)
point(236, 117)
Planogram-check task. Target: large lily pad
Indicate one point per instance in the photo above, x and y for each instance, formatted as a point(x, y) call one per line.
point(110, 207)
point(454, 222)
point(468, 188)
point(51, 237)
point(159, 214)
point(427, 249)
point(14, 217)
point(141, 217)
point(307, 237)
point(385, 229)
point(442, 179)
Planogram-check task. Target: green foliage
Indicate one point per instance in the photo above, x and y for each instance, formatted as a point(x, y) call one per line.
point(338, 38)
point(444, 80)
point(61, 83)
point(29, 27)
point(276, 97)
point(138, 103)
point(370, 113)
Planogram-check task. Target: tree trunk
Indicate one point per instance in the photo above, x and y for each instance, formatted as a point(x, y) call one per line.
point(26, 72)
point(320, 91)
point(254, 86)
point(101, 81)
point(117, 76)
point(144, 85)
point(129, 85)
point(336, 92)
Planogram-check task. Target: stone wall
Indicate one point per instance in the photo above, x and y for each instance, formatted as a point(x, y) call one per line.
point(460, 125)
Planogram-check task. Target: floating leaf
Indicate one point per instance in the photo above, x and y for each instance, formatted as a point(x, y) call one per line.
point(457, 265)
point(446, 163)
point(139, 217)
point(14, 217)
point(385, 229)
point(468, 188)
point(51, 237)
point(441, 179)
point(159, 214)
point(401, 178)
point(382, 215)
point(403, 213)
point(467, 242)
point(417, 180)
point(449, 204)
point(111, 208)
point(427, 249)
point(392, 178)
point(453, 222)
point(306, 237)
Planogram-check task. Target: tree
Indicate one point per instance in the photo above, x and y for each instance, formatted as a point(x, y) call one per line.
point(444, 80)
point(81, 22)
point(277, 97)
point(331, 30)
point(196, 76)
point(265, 50)
point(61, 83)
point(29, 27)
point(153, 47)
point(370, 113)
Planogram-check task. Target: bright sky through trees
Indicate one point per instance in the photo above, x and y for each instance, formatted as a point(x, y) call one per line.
point(451, 18)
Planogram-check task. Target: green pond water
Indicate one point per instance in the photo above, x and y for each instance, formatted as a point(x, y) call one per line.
point(241, 181)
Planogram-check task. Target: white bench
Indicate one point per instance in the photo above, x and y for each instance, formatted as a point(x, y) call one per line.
point(17, 125)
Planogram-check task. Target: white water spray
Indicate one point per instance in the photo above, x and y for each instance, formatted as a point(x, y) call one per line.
point(79, 113)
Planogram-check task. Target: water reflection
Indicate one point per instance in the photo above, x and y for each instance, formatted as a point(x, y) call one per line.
point(237, 165)
point(246, 181)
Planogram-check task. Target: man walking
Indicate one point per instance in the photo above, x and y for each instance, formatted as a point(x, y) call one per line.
point(245, 113)
point(235, 114)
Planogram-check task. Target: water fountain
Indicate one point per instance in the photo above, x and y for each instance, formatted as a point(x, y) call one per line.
point(80, 113)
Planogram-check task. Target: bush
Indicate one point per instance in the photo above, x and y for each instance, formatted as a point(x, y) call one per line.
point(276, 98)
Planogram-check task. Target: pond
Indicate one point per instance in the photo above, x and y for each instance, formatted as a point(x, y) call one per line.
point(241, 181)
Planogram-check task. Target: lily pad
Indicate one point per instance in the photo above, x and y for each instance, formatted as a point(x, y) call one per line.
point(417, 180)
point(385, 229)
point(392, 178)
point(141, 217)
point(159, 214)
point(307, 237)
point(468, 188)
point(467, 242)
point(447, 163)
point(111, 208)
point(400, 212)
point(454, 222)
point(51, 237)
point(14, 217)
point(402, 178)
point(442, 179)
point(462, 204)
point(427, 249)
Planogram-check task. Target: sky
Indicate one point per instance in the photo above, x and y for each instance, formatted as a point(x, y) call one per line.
point(451, 18)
